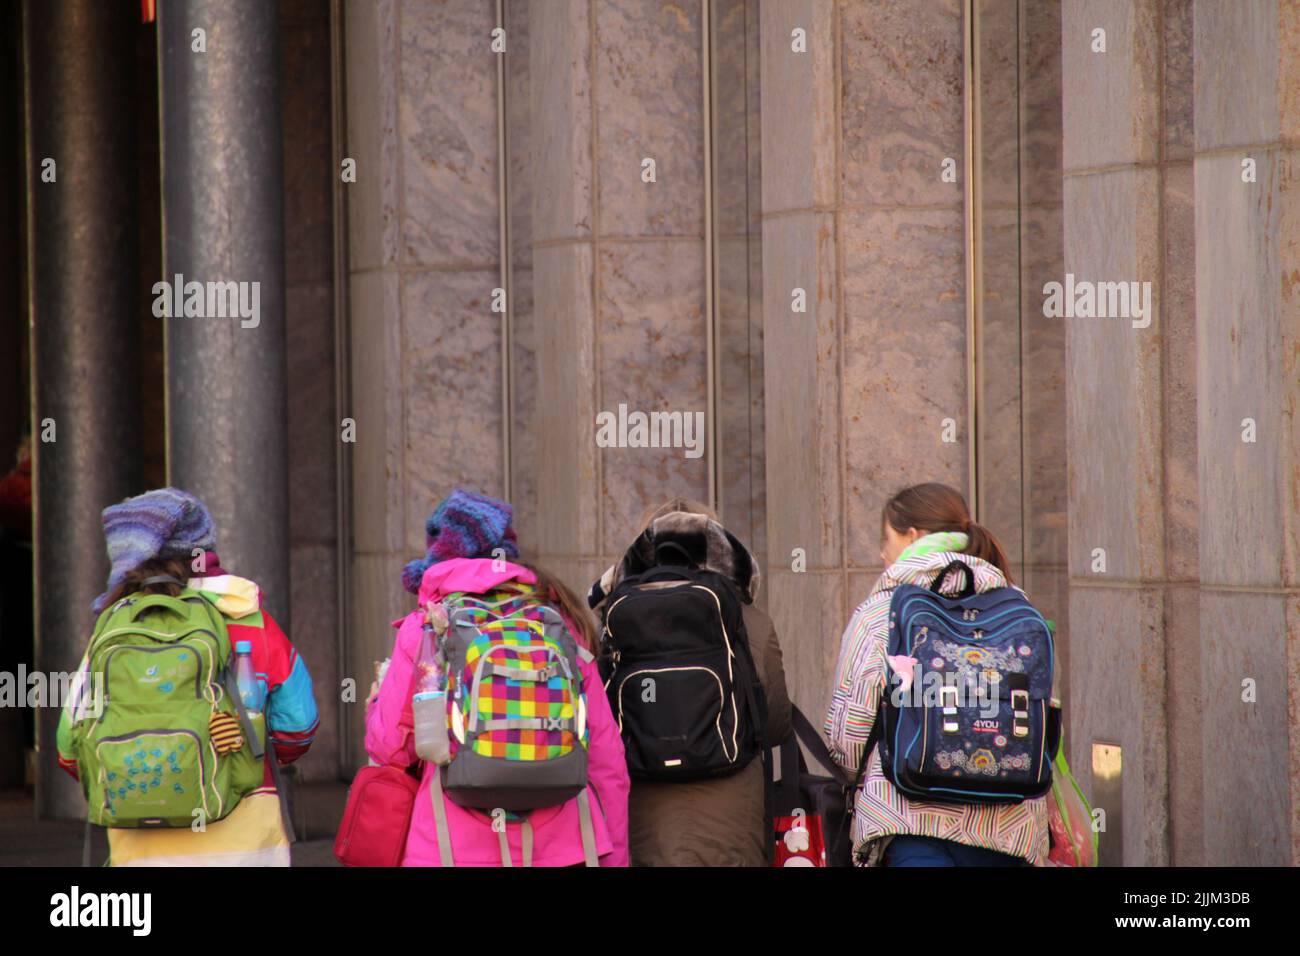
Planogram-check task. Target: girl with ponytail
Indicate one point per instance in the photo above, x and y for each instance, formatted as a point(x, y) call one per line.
point(923, 529)
point(933, 508)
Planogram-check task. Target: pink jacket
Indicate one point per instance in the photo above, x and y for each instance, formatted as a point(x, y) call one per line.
point(557, 836)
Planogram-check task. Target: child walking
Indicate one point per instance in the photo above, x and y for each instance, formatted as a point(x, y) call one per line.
point(472, 552)
point(178, 769)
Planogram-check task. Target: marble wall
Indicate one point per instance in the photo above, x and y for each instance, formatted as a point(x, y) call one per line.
point(607, 275)
point(1247, 331)
point(854, 136)
point(738, 271)
point(1113, 193)
point(1044, 452)
point(617, 266)
point(1182, 439)
point(1130, 439)
point(424, 257)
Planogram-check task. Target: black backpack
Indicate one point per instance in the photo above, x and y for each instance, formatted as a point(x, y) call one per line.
point(680, 677)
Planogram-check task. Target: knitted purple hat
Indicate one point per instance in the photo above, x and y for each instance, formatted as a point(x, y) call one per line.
point(166, 523)
point(465, 525)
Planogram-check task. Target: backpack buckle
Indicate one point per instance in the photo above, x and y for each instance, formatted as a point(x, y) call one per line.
point(1020, 713)
point(552, 723)
point(948, 700)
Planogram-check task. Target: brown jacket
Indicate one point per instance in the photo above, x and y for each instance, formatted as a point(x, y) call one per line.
point(716, 822)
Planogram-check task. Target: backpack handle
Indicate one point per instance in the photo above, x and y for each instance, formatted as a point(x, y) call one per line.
point(164, 601)
point(664, 555)
point(664, 573)
point(968, 588)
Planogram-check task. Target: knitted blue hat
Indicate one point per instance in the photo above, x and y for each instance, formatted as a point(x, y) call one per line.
point(166, 523)
point(465, 525)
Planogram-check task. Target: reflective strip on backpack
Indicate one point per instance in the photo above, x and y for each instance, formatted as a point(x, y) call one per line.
point(528, 723)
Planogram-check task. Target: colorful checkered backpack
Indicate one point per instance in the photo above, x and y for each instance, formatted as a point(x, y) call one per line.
point(517, 714)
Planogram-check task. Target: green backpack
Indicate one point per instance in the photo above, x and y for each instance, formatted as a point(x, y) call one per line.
point(145, 754)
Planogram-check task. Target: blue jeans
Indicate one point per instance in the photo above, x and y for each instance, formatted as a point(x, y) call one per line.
point(928, 851)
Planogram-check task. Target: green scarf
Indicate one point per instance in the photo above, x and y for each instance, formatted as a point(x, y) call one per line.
point(935, 543)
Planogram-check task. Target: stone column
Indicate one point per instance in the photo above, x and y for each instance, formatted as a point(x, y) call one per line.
point(15, 388)
point(1247, 223)
point(222, 185)
point(79, 57)
point(311, 171)
point(802, 351)
point(856, 215)
point(1041, 253)
point(1132, 482)
point(13, 324)
point(647, 95)
point(423, 261)
point(566, 526)
point(617, 264)
point(1183, 645)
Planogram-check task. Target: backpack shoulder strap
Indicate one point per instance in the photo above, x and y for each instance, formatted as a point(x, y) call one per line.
point(811, 739)
point(232, 688)
point(231, 685)
point(816, 746)
point(588, 829)
point(440, 816)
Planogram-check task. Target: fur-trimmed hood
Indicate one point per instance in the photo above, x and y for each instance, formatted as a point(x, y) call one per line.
point(684, 537)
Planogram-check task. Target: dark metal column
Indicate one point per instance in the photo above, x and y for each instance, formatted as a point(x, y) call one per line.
point(222, 187)
point(78, 67)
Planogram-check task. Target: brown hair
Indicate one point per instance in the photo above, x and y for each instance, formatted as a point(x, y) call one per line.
point(134, 581)
point(566, 602)
point(936, 507)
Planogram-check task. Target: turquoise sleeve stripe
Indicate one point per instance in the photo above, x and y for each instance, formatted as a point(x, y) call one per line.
point(292, 705)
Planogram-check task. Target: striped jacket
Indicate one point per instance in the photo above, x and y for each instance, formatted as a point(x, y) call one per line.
point(880, 811)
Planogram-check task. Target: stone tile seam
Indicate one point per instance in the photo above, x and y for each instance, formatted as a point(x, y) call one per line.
point(1271, 146)
point(561, 241)
point(415, 268)
point(1139, 585)
point(597, 346)
point(831, 209)
point(841, 308)
point(400, 212)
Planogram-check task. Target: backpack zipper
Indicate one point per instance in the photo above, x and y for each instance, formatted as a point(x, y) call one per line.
point(722, 704)
point(198, 750)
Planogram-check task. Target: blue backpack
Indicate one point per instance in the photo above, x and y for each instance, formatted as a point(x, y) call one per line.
point(975, 722)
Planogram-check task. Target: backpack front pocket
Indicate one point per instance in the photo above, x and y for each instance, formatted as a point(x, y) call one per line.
point(982, 759)
point(153, 778)
point(677, 721)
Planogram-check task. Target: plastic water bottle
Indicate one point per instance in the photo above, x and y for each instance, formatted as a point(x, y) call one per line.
point(429, 704)
point(251, 690)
